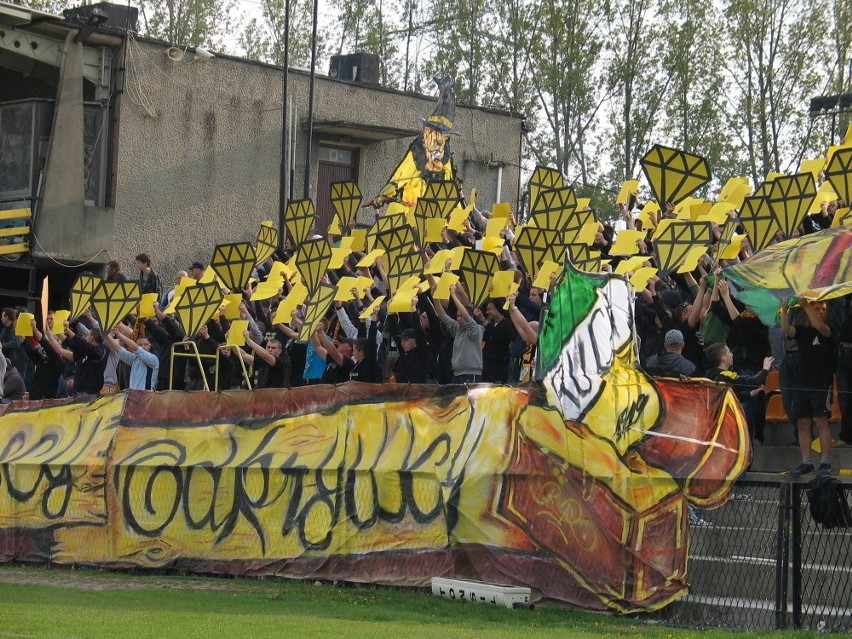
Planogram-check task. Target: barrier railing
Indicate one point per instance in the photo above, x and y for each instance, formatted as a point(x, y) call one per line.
point(762, 562)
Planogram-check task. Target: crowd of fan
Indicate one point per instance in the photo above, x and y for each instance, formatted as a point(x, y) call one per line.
point(688, 326)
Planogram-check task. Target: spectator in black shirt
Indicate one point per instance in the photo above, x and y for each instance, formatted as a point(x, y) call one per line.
point(412, 365)
point(271, 362)
point(496, 338)
point(812, 378)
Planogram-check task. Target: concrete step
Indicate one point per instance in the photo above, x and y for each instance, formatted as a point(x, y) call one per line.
point(753, 614)
point(753, 577)
point(698, 611)
point(783, 457)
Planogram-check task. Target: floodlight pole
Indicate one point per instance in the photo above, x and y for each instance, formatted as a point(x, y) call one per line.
point(308, 144)
point(284, 173)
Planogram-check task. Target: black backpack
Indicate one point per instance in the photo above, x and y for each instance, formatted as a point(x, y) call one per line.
point(827, 501)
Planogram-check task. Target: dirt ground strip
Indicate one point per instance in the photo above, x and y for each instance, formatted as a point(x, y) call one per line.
point(93, 579)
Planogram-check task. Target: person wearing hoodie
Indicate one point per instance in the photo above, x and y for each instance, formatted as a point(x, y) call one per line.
point(670, 362)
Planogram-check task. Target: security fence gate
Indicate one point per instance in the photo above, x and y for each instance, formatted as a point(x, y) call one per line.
point(762, 562)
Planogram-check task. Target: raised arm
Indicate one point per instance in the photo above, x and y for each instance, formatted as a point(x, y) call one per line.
point(64, 353)
point(816, 320)
point(524, 328)
point(258, 350)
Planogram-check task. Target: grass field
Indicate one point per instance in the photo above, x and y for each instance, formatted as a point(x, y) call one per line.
point(60, 602)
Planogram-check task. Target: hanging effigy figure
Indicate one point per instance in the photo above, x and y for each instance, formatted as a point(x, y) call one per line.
point(428, 158)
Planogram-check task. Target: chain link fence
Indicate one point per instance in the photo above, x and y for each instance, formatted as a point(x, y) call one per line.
point(762, 562)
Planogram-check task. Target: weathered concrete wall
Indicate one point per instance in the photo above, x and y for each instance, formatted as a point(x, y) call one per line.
point(198, 153)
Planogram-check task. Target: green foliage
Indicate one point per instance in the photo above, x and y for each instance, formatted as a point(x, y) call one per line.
point(188, 22)
point(772, 53)
point(263, 38)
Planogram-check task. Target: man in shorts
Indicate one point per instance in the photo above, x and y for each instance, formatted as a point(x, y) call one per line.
point(811, 397)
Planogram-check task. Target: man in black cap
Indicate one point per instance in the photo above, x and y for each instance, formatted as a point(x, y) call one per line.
point(412, 366)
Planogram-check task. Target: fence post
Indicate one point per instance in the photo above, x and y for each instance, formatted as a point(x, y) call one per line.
point(796, 543)
point(782, 556)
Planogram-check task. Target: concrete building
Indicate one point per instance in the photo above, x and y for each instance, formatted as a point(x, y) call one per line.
point(121, 145)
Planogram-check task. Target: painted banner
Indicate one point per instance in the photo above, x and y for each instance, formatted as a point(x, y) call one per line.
point(576, 486)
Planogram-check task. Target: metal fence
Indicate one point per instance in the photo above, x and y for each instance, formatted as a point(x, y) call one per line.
point(762, 562)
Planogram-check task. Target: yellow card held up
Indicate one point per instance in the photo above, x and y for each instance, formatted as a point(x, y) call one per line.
point(457, 218)
point(235, 336)
point(822, 196)
point(59, 319)
point(401, 301)
point(284, 312)
point(334, 227)
point(208, 276)
point(847, 137)
point(587, 233)
point(630, 264)
point(501, 210)
point(412, 282)
point(265, 290)
point(732, 184)
point(146, 305)
point(641, 276)
point(732, 250)
point(513, 288)
point(738, 194)
point(493, 244)
point(547, 268)
point(232, 308)
point(629, 188)
point(583, 203)
point(346, 284)
point(495, 226)
point(501, 283)
point(625, 242)
point(170, 309)
point(814, 167)
point(438, 262)
point(338, 256)
point(23, 325)
point(442, 290)
point(434, 227)
point(458, 256)
point(370, 258)
point(690, 260)
point(359, 240)
point(718, 213)
point(372, 307)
